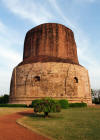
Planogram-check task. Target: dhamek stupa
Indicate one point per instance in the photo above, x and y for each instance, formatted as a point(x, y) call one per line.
point(50, 67)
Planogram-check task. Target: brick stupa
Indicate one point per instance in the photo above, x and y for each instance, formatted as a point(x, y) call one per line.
point(50, 67)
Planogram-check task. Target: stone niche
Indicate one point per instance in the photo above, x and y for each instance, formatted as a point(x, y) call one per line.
point(50, 68)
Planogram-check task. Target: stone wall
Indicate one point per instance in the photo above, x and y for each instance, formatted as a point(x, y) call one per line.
point(51, 79)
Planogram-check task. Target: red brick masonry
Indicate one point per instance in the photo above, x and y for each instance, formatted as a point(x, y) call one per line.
point(50, 42)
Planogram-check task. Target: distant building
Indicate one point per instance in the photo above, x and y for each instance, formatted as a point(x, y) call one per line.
point(50, 67)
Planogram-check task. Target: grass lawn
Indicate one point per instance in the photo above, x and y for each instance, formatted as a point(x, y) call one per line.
point(69, 124)
point(6, 110)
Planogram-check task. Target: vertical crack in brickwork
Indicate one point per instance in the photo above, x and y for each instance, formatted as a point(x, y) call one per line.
point(45, 39)
point(50, 35)
point(78, 80)
point(67, 77)
point(27, 78)
point(38, 36)
point(57, 38)
point(66, 43)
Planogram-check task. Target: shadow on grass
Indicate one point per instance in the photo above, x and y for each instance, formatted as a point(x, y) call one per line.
point(40, 115)
point(30, 114)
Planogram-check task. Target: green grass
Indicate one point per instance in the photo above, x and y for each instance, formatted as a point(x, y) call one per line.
point(70, 124)
point(6, 110)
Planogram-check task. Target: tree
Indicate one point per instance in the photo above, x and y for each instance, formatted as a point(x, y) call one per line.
point(4, 99)
point(46, 105)
point(95, 96)
point(92, 92)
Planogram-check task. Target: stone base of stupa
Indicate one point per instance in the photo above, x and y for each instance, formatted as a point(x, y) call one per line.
point(50, 79)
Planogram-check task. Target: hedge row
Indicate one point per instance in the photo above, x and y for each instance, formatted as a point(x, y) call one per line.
point(63, 103)
point(77, 105)
point(13, 105)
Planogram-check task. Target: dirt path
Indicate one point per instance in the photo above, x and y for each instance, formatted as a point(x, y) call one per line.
point(10, 130)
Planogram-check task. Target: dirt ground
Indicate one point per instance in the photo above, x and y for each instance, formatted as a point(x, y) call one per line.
point(10, 130)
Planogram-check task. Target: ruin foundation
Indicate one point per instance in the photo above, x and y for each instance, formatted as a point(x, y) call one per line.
point(57, 80)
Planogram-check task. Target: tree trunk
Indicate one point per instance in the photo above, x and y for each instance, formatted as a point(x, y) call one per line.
point(45, 114)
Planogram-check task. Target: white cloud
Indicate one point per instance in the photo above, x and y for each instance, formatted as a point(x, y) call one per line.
point(5, 75)
point(2, 27)
point(67, 21)
point(31, 10)
point(7, 43)
point(91, 64)
point(9, 57)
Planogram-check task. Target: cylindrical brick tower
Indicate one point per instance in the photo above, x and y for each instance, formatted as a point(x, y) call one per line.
point(50, 67)
point(50, 42)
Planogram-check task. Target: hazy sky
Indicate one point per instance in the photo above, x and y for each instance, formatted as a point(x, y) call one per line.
point(18, 16)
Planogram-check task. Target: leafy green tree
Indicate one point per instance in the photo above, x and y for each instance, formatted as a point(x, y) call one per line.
point(46, 105)
point(92, 92)
point(4, 99)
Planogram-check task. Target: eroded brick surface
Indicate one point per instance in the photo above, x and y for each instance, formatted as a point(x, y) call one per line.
point(50, 42)
point(50, 67)
point(58, 80)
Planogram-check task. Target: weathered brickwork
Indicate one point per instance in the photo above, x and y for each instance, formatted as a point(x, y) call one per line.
point(58, 80)
point(50, 68)
point(50, 42)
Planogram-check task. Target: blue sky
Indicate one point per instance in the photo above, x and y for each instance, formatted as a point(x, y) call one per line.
point(18, 16)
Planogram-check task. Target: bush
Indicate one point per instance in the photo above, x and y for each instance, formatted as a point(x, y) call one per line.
point(96, 101)
point(77, 105)
point(33, 103)
point(64, 103)
point(13, 105)
point(46, 105)
point(4, 99)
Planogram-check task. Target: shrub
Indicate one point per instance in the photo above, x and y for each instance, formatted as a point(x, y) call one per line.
point(63, 103)
point(96, 101)
point(46, 105)
point(4, 99)
point(77, 105)
point(13, 105)
point(33, 103)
